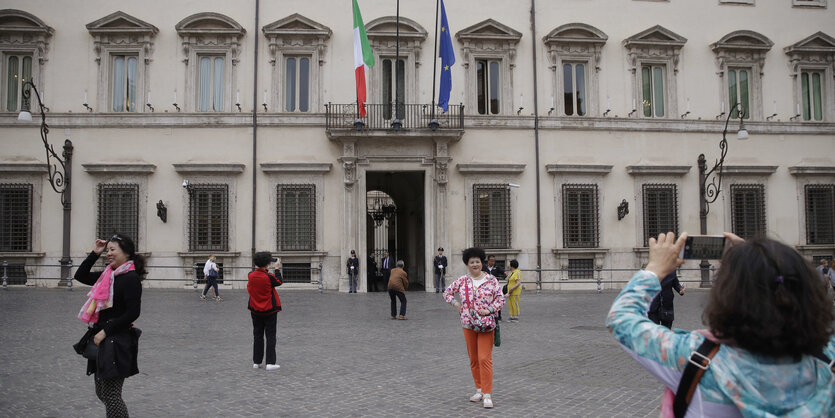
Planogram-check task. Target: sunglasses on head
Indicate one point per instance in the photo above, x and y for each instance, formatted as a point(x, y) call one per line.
point(115, 238)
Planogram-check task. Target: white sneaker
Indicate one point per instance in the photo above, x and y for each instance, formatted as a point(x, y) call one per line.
point(476, 397)
point(256, 366)
point(271, 367)
point(488, 401)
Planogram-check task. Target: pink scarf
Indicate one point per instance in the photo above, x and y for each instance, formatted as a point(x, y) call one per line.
point(101, 294)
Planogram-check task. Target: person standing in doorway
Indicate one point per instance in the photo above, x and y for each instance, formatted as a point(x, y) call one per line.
point(353, 265)
point(494, 270)
point(397, 286)
point(385, 268)
point(514, 290)
point(440, 270)
point(371, 272)
point(661, 309)
point(264, 306)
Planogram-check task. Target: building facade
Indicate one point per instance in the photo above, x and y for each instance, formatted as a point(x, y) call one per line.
point(574, 133)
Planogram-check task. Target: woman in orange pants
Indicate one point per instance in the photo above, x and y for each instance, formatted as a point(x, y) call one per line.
point(480, 299)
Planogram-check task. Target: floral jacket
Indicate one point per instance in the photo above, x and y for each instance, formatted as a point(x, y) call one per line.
point(738, 382)
point(487, 296)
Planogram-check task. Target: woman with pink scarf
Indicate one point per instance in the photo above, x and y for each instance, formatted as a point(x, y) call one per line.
point(112, 306)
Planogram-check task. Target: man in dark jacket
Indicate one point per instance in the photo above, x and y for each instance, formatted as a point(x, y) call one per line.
point(371, 272)
point(661, 309)
point(385, 268)
point(492, 268)
point(440, 264)
point(264, 306)
point(353, 266)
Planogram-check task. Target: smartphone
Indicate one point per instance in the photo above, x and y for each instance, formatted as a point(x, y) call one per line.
point(703, 247)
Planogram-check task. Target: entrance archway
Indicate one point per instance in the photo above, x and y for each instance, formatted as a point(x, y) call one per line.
point(395, 221)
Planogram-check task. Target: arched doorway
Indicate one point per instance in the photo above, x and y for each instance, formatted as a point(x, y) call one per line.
point(395, 222)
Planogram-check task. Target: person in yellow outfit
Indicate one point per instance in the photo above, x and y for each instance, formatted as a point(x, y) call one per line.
point(514, 289)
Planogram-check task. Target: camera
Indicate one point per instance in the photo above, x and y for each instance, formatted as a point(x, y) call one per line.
point(703, 247)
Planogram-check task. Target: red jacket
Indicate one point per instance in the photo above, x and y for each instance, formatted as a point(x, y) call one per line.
point(263, 298)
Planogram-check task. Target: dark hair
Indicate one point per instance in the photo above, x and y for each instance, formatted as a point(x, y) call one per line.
point(262, 259)
point(514, 263)
point(128, 247)
point(473, 252)
point(491, 256)
point(769, 300)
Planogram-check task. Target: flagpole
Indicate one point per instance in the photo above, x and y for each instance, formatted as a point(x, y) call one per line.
point(435, 58)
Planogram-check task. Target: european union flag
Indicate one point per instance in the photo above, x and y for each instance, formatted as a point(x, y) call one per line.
point(447, 55)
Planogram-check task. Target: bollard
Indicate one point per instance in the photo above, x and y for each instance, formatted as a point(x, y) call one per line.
point(538, 280)
point(599, 280)
point(194, 280)
point(321, 288)
point(69, 277)
point(5, 276)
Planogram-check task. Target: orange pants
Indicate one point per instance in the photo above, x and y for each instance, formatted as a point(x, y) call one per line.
point(480, 349)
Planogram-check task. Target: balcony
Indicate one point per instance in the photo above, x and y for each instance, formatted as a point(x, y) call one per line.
point(415, 119)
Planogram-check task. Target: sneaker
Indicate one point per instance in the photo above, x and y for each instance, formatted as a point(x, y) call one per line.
point(477, 397)
point(394, 317)
point(203, 297)
point(271, 367)
point(488, 401)
point(256, 366)
point(218, 299)
point(402, 317)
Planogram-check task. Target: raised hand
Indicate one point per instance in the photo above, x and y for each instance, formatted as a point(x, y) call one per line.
point(664, 254)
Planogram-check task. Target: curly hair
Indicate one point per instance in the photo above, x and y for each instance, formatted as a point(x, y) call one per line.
point(769, 300)
point(473, 252)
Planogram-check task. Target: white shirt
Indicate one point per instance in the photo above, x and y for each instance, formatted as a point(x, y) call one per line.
point(478, 282)
point(209, 265)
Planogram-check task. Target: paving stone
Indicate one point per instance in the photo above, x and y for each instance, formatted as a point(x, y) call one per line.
point(340, 354)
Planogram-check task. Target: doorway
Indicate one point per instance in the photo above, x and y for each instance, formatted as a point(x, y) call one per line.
point(395, 222)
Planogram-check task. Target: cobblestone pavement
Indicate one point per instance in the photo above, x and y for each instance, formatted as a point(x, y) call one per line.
point(340, 355)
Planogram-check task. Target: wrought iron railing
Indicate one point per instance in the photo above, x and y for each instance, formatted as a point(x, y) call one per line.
point(381, 116)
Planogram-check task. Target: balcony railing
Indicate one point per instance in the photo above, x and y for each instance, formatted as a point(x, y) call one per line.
point(381, 116)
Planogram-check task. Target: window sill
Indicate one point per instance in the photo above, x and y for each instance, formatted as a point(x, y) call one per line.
point(207, 253)
point(22, 254)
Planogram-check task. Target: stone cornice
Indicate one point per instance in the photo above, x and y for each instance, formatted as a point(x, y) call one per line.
point(32, 167)
point(244, 120)
point(799, 170)
point(296, 167)
point(578, 169)
point(667, 170)
point(209, 168)
point(488, 168)
point(729, 170)
point(120, 168)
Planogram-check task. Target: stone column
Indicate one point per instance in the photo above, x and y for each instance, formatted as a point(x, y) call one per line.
point(441, 206)
point(350, 208)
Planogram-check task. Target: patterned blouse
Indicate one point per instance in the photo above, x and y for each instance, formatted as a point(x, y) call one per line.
point(487, 296)
point(737, 382)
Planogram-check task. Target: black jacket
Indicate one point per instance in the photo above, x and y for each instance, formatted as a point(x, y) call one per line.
point(497, 272)
point(664, 298)
point(353, 261)
point(116, 321)
point(372, 267)
point(440, 260)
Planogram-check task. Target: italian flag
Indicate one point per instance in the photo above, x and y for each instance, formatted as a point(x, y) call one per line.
point(363, 58)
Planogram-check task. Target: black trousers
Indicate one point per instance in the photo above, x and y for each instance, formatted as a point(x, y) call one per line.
point(263, 326)
point(372, 282)
point(402, 297)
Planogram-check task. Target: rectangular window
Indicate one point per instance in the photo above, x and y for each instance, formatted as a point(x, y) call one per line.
point(738, 92)
point(209, 218)
point(574, 89)
point(812, 95)
point(296, 214)
point(295, 272)
point(820, 214)
point(390, 88)
point(491, 216)
point(118, 211)
point(297, 84)
point(652, 84)
point(489, 87)
point(660, 210)
point(124, 83)
point(16, 217)
point(580, 220)
point(748, 210)
point(18, 71)
point(580, 268)
point(210, 89)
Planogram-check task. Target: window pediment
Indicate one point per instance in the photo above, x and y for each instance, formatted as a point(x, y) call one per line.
point(121, 30)
point(382, 33)
point(656, 36)
point(296, 26)
point(742, 47)
point(22, 30)
point(489, 30)
point(209, 23)
point(816, 49)
point(575, 33)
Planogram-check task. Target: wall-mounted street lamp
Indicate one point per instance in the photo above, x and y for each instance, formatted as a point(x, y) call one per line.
point(59, 174)
point(709, 190)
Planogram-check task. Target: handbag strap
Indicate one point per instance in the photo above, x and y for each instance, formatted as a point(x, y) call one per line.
point(697, 364)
